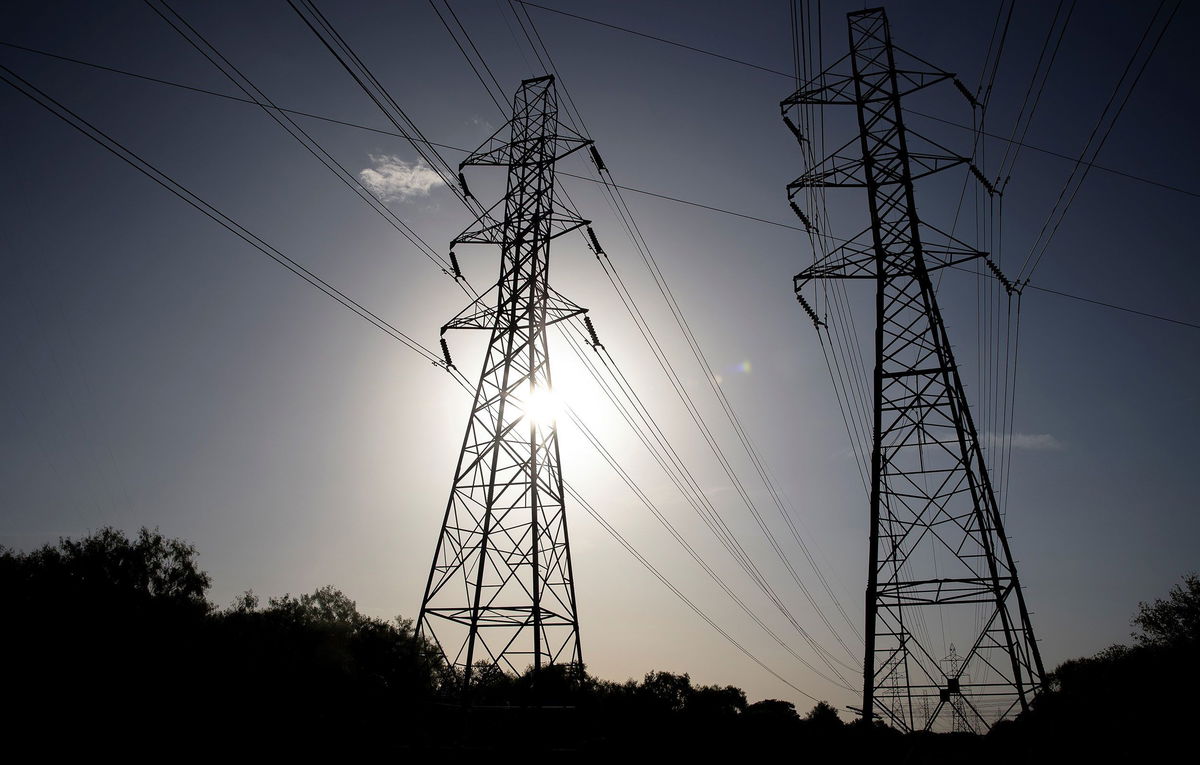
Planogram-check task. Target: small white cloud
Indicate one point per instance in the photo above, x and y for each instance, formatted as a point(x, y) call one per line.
point(393, 179)
point(1036, 442)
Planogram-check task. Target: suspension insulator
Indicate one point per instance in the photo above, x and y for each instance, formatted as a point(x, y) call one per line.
point(800, 214)
point(455, 271)
point(983, 179)
point(966, 93)
point(599, 162)
point(446, 353)
point(809, 310)
point(596, 248)
point(591, 330)
point(795, 130)
point(1008, 286)
point(463, 182)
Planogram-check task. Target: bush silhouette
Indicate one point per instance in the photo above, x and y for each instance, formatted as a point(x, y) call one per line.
point(112, 639)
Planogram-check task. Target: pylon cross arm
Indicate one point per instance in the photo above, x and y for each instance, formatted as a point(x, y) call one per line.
point(496, 151)
point(937, 543)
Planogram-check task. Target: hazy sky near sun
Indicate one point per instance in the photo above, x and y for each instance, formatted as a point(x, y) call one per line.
point(155, 370)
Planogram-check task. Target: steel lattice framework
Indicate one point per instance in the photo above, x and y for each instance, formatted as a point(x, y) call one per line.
point(501, 591)
point(938, 553)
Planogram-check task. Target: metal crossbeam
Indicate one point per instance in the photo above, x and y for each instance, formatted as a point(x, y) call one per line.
point(938, 553)
point(501, 590)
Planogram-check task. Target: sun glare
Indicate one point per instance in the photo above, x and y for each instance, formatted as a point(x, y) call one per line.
point(543, 407)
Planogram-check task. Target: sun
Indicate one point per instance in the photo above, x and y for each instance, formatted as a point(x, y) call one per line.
point(542, 407)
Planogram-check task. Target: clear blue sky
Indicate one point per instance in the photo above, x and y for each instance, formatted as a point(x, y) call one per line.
point(157, 371)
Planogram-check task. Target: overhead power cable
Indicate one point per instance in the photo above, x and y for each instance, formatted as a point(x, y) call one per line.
point(655, 38)
point(648, 431)
point(162, 179)
point(374, 89)
point(1008, 139)
point(697, 499)
point(361, 73)
point(497, 101)
point(604, 524)
point(393, 133)
point(713, 519)
point(702, 506)
point(255, 95)
point(1093, 147)
point(626, 215)
point(666, 523)
point(1013, 147)
point(135, 160)
point(632, 189)
point(1092, 301)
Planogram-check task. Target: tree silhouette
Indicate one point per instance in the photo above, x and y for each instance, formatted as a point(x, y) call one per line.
point(1126, 702)
point(777, 708)
point(1174, 621)
point(665, 692)
point(823, 715)
point(109, 565)
point(111, 638)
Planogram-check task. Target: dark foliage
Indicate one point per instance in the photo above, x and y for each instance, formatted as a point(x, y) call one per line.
point(110, 641)
point(1174, 622)
point(1126, 703)
point(111, 645)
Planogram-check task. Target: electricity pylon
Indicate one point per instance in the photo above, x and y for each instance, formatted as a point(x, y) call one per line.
point(501, 591)
point(939, 561)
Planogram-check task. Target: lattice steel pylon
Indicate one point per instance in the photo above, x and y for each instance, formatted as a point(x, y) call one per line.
point(501, 590)
point(937, 543)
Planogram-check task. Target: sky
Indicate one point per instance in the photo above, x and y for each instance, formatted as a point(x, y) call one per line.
point(158, 371)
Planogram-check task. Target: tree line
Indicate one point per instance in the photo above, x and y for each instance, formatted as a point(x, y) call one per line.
point(110, 641)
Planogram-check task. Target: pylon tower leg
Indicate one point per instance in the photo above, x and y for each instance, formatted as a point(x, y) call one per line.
point(940, 570)
point(501, 590)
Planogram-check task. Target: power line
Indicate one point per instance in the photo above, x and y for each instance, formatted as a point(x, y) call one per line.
point(685, 483)
point(394, 134)
point(1060, 155)
point(255, 95)
point(839, 239)
point(659, 278)
point(162, 179)
point(632, 189)
point(1002, 174)
point(362, 75)
point(1115, 307)
point(374, 89)
point(684, 202)
point(791, 76)
point(1041, 245)
point(737, 554)
point(655, 38)
point(604, 524)
point(218, 94)
point(381, 131)
point(1093, 301)
point(623, 211)
point(471, 42)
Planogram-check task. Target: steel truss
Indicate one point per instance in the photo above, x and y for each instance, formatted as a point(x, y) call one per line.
point(501, 591)
point(938, 558)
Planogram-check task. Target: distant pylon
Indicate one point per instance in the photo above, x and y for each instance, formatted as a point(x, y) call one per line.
point(937, 542)
point(501, 591)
